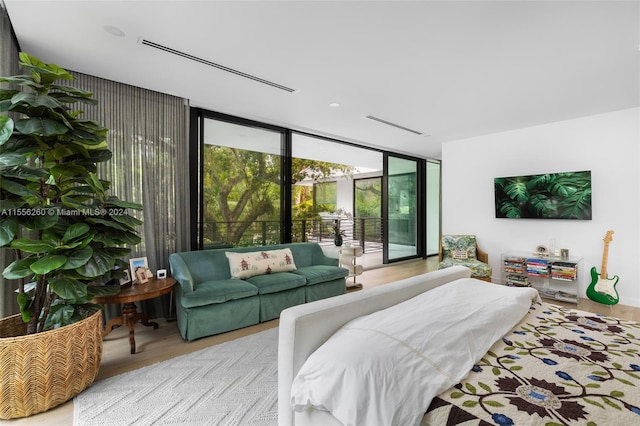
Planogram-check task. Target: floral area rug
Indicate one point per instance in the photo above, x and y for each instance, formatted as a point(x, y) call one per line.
point(559, 366)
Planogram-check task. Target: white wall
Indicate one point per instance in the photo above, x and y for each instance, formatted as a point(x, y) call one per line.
point(606, 144)
point(345, 194)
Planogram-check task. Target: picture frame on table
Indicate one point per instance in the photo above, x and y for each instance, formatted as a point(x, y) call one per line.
point(141, 276)
point(140, 272)
point(126, 279)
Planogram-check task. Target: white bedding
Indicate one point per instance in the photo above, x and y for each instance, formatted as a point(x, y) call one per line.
point(386, 367)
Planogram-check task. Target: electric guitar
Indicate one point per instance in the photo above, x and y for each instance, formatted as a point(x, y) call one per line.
point(603, 289)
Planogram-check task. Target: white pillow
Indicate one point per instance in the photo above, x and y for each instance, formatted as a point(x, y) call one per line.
point(459, 254)
point(250, 264)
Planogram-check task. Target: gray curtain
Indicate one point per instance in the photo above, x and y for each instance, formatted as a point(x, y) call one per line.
point(8, 66)
point(148, 136)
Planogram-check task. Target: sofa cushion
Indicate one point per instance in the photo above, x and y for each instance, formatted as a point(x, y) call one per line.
point(218, 291)
point(249, 264)
point(280, 281)
point(320, 273)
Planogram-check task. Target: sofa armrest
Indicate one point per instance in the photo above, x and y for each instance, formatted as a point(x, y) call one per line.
point(180, 271)
point(319, 258)
point(327, 261)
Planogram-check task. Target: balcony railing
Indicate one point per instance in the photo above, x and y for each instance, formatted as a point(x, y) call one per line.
point(364, 231)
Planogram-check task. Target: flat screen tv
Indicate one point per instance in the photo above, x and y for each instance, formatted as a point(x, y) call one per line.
point(547, 196)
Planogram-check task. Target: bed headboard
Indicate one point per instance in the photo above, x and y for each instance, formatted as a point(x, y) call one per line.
point(304, 328)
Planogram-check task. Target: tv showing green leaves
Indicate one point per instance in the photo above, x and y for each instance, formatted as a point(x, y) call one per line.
point(546, 196)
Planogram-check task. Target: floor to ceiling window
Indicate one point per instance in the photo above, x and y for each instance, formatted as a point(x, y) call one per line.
point(259, 185)
point(240, 185)
point(324, 194)
point(403, 207)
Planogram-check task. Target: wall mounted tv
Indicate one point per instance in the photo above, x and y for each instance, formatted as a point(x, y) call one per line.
point(547, 196)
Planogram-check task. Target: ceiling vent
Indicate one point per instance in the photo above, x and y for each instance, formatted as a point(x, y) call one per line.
point(214, 65)
point(388, 123)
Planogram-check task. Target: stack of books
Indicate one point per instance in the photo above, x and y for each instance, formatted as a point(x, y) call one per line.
point(564, 271)
point(518, 280)
point(515, 264)
point(538, 267)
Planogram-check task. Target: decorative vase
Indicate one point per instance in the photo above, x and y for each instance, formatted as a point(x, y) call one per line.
point(338, 240)
point(43, 370)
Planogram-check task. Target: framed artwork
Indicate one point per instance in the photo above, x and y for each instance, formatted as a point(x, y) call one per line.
point(140, 272)
point(538, 197)
point(126, 279)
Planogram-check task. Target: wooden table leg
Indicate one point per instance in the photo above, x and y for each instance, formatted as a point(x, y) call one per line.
point(130, 316)
point(111, 324)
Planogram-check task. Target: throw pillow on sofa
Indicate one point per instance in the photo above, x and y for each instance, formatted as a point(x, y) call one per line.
point(250, 264)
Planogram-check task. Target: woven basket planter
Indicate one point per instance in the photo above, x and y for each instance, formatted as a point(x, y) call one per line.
point(41, 371)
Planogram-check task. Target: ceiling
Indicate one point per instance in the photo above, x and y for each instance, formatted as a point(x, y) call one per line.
point(449, 70)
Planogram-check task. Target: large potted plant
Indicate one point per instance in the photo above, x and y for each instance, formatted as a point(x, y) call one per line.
point(67, 234)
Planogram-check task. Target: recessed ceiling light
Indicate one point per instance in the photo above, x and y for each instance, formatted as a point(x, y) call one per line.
point(115, 31)
point(334, 105)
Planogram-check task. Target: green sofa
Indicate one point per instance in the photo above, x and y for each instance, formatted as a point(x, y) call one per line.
point(210, 301)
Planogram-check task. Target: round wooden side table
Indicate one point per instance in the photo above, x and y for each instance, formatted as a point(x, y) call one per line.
point(128, 296)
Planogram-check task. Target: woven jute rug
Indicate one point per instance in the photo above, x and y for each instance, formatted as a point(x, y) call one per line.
point(233, 383)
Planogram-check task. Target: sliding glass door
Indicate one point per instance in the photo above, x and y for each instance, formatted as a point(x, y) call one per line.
point(326, 196)
point(403, 208)
point(258, 184)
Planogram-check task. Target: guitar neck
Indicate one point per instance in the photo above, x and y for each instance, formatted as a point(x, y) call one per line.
point(605, 259)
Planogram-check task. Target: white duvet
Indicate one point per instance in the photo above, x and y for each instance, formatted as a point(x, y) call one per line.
point(385, 368)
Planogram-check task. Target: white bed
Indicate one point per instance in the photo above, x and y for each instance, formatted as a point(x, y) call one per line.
point(304, 328)
point(415, 352)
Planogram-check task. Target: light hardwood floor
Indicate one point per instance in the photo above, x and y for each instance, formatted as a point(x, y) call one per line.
point(165, 342)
